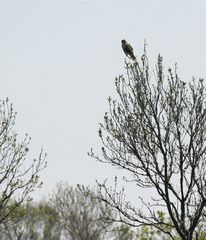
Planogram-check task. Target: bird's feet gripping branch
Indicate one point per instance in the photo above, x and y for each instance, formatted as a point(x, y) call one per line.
point(128, 50)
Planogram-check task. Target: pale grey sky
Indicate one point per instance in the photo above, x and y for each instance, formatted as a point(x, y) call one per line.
point(59, 59)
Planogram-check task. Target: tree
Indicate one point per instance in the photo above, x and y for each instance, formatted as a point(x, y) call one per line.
point(156, 132)
point(34, 221)
point(81, 216)
point(18, 176)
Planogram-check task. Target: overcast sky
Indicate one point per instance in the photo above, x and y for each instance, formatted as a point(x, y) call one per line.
point(59, 59)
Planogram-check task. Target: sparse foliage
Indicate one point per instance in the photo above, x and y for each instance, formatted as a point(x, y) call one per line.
point(81, 216)
point(156, 131)
point(32, 221)
point(18, 176)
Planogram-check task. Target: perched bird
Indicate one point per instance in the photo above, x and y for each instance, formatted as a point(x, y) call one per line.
point(128, 50)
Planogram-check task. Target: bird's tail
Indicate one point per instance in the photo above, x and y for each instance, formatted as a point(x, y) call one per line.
point(133, 57)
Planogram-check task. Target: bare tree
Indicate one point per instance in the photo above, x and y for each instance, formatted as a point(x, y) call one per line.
point(18, 176)
point(156, 131)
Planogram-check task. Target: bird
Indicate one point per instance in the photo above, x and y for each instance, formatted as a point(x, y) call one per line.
point(128, 50)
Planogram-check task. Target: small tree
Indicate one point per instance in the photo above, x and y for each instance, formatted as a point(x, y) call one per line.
point(156, 131)
point(18, 177)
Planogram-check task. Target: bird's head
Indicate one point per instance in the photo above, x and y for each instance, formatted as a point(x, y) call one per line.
point(123, 41)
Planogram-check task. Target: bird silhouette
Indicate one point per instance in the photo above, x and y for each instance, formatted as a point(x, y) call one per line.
point(128, 50)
